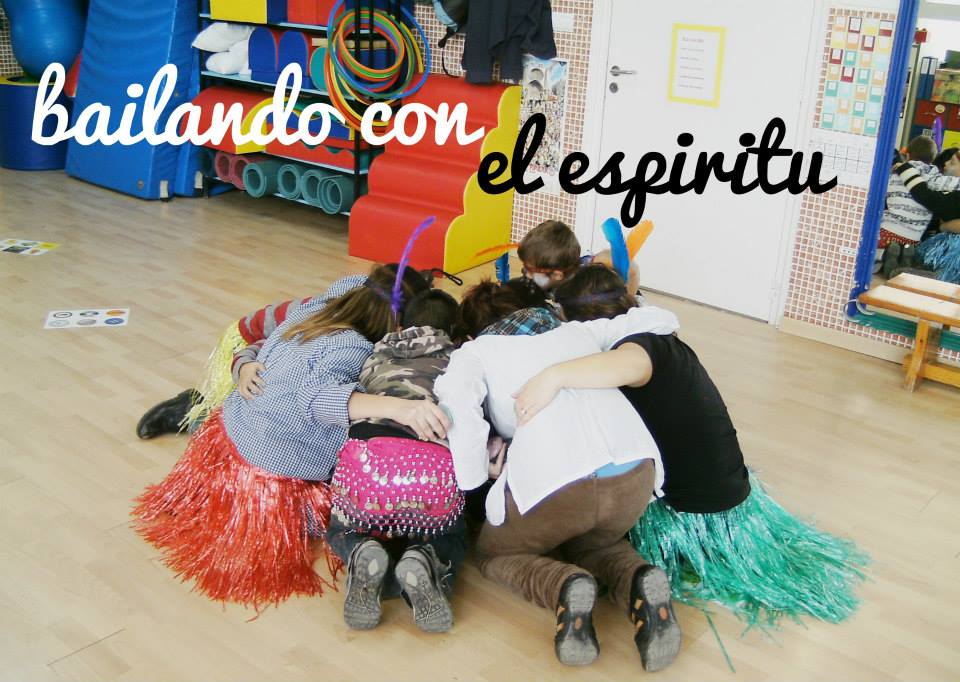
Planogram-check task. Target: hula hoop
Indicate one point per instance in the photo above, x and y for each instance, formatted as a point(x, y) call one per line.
point(349, 81)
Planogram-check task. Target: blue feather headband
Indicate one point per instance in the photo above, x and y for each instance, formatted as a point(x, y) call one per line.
point(618, 247)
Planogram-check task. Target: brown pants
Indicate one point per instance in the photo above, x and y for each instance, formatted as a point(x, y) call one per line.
point(585, 522)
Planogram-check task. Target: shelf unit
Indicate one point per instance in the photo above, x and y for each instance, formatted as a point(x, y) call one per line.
point(247, 80)
point(273, 24)
point(362, 40)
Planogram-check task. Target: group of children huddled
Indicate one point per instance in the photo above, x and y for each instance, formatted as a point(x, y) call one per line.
point(920, 228)
point(556, 410)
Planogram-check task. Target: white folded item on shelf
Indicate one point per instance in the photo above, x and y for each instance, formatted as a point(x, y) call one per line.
point(229, 62)
point(221, 36)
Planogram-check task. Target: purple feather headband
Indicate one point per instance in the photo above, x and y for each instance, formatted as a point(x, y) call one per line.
point(396, 299)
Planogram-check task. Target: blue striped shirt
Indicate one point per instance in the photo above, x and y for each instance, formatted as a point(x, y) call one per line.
point(298, 424)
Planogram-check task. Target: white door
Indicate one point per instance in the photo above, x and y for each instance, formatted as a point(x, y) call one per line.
point(716, 248)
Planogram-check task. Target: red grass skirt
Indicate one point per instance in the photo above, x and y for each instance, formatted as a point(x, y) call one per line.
point(240, 532)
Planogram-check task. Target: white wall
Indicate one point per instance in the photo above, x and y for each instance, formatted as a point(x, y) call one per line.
point(875, 5)
point(942, 35)
point(939, 10)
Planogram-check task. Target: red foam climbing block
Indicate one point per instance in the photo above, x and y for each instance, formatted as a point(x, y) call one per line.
point(313, 12)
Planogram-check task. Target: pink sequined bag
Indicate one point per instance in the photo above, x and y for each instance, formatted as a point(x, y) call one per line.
point(396, 487)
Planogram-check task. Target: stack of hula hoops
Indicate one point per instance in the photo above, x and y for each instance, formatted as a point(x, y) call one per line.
point(354, 85)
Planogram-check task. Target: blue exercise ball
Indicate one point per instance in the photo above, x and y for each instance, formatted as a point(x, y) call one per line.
point(45, 31)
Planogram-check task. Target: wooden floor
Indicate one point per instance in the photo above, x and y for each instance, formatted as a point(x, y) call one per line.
point(82, 598)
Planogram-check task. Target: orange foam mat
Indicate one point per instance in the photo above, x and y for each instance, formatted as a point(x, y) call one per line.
point(410, 183)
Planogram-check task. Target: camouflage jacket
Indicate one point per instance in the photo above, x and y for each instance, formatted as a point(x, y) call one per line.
point(405, 364)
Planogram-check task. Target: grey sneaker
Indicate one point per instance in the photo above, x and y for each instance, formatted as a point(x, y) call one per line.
point(891, 258)
point(575, 641)
point(366, 570)
point(908, 256)
point(656, 631)
point(419, 576)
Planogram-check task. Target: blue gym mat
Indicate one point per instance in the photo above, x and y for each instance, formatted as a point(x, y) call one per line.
point(127, 42)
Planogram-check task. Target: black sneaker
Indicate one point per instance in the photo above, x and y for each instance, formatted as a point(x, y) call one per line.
point(419, 575)
point(576, 641)
point(655, 627)
point(366, 569)
point(166, 416)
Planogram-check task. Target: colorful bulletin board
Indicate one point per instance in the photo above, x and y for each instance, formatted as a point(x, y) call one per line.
point(858, 61)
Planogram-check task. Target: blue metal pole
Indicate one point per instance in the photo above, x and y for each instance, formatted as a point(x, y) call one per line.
point(886, 143)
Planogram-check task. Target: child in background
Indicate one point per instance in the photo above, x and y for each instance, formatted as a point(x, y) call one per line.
point(904, 219)
point(550, 253)
point(236, 512)
point(393, 491)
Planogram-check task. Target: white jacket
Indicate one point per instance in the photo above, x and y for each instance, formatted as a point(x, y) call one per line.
point(579, 432)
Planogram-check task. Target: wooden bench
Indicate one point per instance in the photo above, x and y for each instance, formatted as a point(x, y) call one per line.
point(929, 310)
point(927, 286)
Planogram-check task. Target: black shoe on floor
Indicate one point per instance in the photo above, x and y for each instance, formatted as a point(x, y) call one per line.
point(366, 569)
point(166, 416)
point(656, 631)
point(419, 575)
point(576, 641)
point(891, 258)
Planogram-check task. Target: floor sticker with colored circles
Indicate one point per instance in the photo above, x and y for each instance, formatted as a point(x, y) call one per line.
point(26, 247)
point(90, 317)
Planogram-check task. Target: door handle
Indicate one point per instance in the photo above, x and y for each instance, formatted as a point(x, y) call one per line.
point(617, 71)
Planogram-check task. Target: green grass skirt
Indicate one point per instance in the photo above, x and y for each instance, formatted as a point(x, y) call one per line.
point(756, 559)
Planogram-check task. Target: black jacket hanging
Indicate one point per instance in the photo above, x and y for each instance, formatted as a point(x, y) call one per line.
point(503, 30)
point(452, 14)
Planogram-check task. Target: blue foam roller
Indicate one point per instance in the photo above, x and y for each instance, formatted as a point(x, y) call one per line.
point(311, 186)
point(337, 195)
point(17, 150)
point(260, 177)
point(288, 180)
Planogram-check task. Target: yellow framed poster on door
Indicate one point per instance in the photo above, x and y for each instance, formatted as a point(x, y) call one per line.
point(696, 64)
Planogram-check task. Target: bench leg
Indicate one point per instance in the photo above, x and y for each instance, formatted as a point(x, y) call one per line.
point(914, 364)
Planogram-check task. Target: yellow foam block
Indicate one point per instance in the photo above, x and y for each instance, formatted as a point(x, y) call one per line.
point(253, 11)
point(951, 138)
point(487, 219)
point(247, 124)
